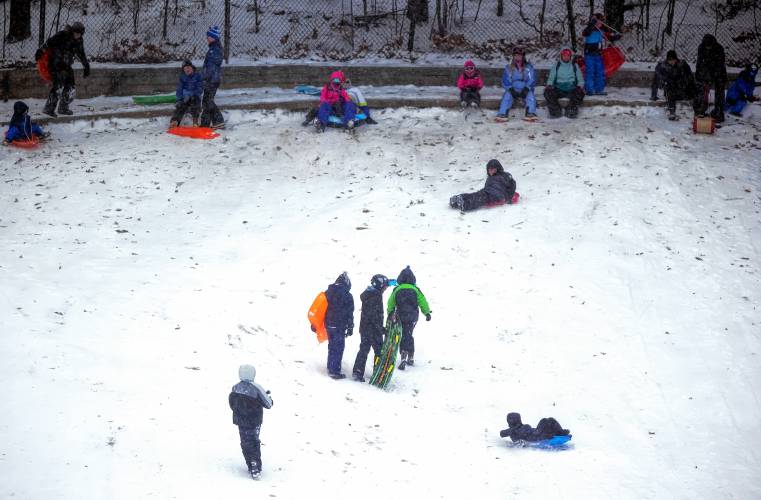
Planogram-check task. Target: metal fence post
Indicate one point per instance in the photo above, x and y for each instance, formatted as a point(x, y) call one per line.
point(227, 31)
point(41, 27)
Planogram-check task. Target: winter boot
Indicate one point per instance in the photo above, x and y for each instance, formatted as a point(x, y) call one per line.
point(350, 125)
point(358, 377)
point(63, 106)
point(318, 126)
point(571, 113)
point(173, 124)
point(403, 363)
point(255, 469)
point(457, 202)
point(336, 376)
point(463, 105)
point(718, 117)
point(50, 104)
point(370, 121)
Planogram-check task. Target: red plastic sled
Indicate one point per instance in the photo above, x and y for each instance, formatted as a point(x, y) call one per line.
point(316, 316)
point(612, 59)
point(43, 66)
point(194, 132)
point(513, 201)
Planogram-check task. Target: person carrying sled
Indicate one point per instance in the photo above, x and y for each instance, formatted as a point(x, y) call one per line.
point(406, 302)
point(499, 189)
point(211, 116)
point(371, 329)
point(21, 127)
point(674, 76)
point(62, 48)
point(189, 92)
point(595, 34)
point(339, 322)
point(470, 84)
point(247, 400)
point(710, 72)
point(565, 80)
point(741, 91)
point(518, 80)
point(547, 428)
point(335, 100)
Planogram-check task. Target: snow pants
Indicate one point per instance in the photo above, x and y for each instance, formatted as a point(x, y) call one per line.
point(347, 109)
point(553, 95)
point(368, 340)
point(63, 86)
point(407, 343)
point(674, 94)
point(549, 427)
point(336, 344)
point(250, 444)
point(14, 133)
point(594, 82)
point(474, 201)
point(193, 106)
point(470, 95)
point(526, 94)
point(210, 114)
point(701, 100)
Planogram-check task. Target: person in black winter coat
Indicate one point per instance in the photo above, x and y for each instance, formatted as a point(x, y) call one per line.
point(499, 188)
point(247, 401)
point(674, 76)
point(545, 429)
point(710, 71)
point(63, 47)
point(371, 329)
point(339, 322)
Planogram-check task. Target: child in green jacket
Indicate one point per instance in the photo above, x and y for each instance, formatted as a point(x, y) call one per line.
point(406, 302)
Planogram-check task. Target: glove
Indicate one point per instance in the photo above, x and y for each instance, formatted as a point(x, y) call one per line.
point(38, 55)
point(313, 328)
point(428, 317)
point(349, 332)
point(86, 71)
point(504, 433)
point(267, 392)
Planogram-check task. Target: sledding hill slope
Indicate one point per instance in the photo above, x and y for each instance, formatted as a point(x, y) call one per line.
point(619, 296)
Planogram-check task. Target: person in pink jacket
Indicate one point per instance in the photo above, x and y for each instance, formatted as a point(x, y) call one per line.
point(334, 99)
point(470, 84)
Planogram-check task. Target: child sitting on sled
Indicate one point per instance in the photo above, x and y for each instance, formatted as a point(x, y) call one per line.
point(547, 428)
point(189, 92)
point(21, 127)
point(499, 189)
point(334, 99)
point(470, 85)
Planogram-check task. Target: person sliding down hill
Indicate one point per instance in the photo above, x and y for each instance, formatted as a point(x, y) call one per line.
point(547, 428)
point(406, 302)
point(334, 99)
point(470, 85)
point(21, 127)
point(500, 188)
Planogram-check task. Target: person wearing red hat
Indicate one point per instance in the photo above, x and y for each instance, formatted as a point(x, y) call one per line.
point(565, 80)
point(470, 85)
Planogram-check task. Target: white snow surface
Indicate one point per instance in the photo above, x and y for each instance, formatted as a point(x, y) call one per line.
point(620, 296)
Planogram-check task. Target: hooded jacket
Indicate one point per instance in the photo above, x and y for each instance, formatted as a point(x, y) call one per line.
point(21, 126)
point(371, 320)
point(519, 78)
point(710, 67)
point(247, 399)
point(742, 89)
point(500, 186)
point(212, 64)
point(340, 313)
point(334, 92)
point(675, 78)
point(189, 85)
point(518, 431)
point(65, 48)
point(565, 76)
point(407, 299)
point(472, 81)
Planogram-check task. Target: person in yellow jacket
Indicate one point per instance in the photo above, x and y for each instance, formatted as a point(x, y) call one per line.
point(407, 301)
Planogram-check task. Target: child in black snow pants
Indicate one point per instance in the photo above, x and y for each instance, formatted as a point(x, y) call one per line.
point(371, 329)
point(247, 401)
point(499, 189)
point(547, 428)
point(406, 301)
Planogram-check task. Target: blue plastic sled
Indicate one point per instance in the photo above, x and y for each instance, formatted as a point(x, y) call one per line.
point(308, 89)
point(336, 121)
point(554, 443)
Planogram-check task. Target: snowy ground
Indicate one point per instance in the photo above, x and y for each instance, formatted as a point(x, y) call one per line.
point(139, 269)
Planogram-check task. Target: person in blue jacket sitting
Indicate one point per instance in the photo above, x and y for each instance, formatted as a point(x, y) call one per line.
point(189, 92)
point(518, 80)
point(595, 34)
point(21, 126)
point(741, 91)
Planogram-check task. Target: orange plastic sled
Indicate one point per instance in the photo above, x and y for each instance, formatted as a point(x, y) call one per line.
point(194, 132)
point(27, 143)
point(316, 316)
point(43, 66)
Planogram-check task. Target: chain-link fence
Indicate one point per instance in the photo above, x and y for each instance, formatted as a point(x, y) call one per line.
point(166, 30)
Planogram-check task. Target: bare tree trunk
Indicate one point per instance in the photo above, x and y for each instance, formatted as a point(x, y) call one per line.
point(571, 23)
point(478, 9)
point(614, 13)
point(41, 27)
point(135, 16)
point(227, 28)
point(591, 8)
point(21, 21)
point(670, 17)
point(57, 18)
point(541, 21)
point(166, 18)
point(411, 37)
point(351, 15)
point(500, 8)
point(256, 16)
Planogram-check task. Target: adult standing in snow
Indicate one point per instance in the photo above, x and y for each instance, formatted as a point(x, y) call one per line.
point(499, 189)
point(518, 80)
point(212, 77)
point(675, 77)
point(339, 322)
point(247, 401)
point(595, 33)
point(406, 302)
point(565, 80)
point(371, 329)
point(62, 48)
point(710, 72)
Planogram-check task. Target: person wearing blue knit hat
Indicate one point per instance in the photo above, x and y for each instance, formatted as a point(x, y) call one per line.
point(212, 76)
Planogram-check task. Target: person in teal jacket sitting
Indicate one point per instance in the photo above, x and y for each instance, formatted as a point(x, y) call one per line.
point(565, 80)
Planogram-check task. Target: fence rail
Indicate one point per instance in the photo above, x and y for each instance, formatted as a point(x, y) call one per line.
point(133, 31)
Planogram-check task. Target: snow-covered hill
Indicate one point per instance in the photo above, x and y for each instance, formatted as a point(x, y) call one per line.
point(139, 269)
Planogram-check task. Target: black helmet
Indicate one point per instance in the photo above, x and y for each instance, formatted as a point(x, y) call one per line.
point(78, 27)
point(379, 282)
